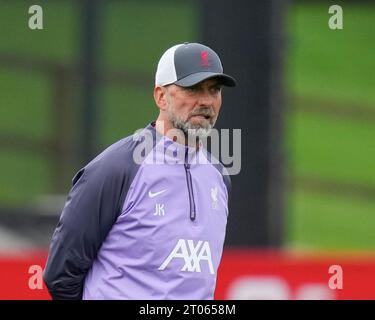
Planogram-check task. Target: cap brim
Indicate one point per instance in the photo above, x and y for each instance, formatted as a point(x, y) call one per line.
point(195, 78)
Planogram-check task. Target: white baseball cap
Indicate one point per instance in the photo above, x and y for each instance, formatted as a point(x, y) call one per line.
point(188, 64)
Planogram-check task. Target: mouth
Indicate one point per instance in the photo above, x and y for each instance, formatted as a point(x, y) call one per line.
point(201, 116)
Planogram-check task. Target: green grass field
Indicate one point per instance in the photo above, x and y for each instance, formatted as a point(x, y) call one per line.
point(338, 66)
point(319, 62)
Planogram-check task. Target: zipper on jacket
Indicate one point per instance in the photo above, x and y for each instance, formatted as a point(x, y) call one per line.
point(191, 193)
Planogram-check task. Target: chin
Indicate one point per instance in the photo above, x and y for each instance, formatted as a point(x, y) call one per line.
point(200, 124)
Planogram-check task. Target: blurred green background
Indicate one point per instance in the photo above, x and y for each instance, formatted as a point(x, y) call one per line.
point(328, 79)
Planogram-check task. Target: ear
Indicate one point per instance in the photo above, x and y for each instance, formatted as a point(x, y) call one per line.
point(160, 97)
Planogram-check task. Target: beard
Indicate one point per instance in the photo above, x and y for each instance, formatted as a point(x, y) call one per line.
point(199, 129)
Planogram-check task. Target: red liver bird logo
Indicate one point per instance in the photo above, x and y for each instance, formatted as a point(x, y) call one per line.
point(204, 59)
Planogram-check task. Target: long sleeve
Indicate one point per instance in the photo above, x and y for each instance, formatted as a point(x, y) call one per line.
point(91, 209)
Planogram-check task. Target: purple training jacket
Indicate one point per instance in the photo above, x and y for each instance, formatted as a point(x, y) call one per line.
point(145, 219)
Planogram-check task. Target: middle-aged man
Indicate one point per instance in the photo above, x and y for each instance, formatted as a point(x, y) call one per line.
point(146, 219)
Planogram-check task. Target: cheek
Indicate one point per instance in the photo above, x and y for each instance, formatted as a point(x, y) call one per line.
point(217, 104)
point(185, 106)
point(182, 108)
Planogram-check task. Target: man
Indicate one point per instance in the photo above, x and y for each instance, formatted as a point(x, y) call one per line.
point(145, 222)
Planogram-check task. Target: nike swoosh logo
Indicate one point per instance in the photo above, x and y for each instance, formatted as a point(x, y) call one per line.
point(154, 194)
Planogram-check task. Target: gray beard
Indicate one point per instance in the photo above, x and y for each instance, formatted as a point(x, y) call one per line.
point(188, 128)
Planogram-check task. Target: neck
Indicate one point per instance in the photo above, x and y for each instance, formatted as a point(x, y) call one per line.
point(165, 128)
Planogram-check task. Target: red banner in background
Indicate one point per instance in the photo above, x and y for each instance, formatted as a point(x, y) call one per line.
point(249, 275)
point(20, 276)
point(243, 274)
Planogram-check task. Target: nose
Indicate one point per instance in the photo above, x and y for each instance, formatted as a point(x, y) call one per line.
point(205, 99)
